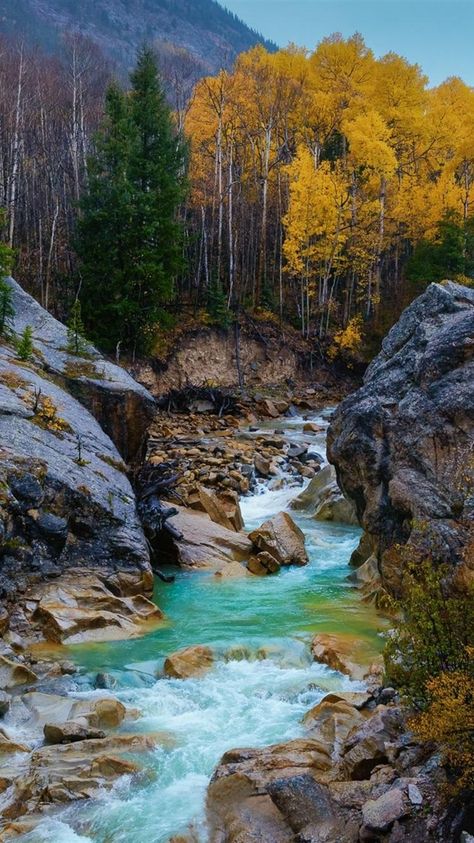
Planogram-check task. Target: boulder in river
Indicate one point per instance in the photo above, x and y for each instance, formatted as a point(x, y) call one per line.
point(201, 543)
point(263, 564)
point(323, 499)
point(281, 538)
point(402, 444)
point(192, 661)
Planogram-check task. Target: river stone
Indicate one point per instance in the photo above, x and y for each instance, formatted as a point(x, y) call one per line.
point(70, 731)
point(192, 661)
point(337, 652)
point(331, 722)
point(263, 564)
point(379, 814)
point(323, 499)
point(204, 544)
point(222, 510)
point(14, 673)
point(281, 538)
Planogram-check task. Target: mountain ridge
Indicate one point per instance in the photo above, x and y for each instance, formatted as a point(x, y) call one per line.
point(210, 34)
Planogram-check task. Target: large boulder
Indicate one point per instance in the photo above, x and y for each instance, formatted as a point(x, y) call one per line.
point(402, 444)
point(200, 542)
point(282, 539)
point(122, 407)
point(323, 499)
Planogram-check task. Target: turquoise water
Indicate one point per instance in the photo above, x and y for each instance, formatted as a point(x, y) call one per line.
point(262, 682)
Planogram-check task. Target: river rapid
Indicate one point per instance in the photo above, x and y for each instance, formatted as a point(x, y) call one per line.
point(262, 682)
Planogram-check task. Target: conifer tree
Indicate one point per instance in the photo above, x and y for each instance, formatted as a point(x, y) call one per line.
point(129, 239)
point(24, 344)
point(76, 341)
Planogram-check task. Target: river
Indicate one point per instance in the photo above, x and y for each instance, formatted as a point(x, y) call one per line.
point(262, 682)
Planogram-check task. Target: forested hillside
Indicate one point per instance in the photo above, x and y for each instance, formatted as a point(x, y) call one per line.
point(210, 36)
point(323, 189)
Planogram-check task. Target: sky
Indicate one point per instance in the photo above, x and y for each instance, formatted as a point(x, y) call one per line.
point(436, 34)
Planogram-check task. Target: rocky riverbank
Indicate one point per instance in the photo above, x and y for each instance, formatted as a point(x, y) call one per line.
point(403, 444)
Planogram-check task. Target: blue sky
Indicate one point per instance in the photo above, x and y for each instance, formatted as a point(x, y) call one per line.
point(437, 34)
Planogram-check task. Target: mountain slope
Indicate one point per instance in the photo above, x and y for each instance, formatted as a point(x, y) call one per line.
point(210, 34)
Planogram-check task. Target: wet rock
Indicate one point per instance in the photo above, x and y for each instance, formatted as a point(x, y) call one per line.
point(379, 814)
point(192, 661)
point(400, 441)
point(262, 465)
point(70, 731)
point(339, 652)
point(9, 746)
point(108, 713)
point(282, 539)
point(14, 673)
point(106, 681)
point(331, 721)
point(263, 564)
point(205, 544)
point(323, 499)
point(81, 608)
point(223, 510)
point(62, 773)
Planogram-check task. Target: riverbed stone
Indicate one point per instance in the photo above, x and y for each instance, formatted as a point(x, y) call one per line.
point(263, 564)
point(281, 538)
point(205, 544)
point(70, 731)
point(14, 673)
point(379, 814)
point(192, 661)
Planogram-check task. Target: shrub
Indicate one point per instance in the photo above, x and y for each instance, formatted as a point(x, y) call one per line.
point(433, 633)
point(449, 721)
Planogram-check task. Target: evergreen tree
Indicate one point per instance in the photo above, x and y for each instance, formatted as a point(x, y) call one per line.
point(129, 239)
point(24, 344)
point(76, 341)
point(449, 255)
point(7, 311)
point(217, 305)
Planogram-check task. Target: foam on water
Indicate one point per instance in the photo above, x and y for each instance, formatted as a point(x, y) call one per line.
point(262, 682)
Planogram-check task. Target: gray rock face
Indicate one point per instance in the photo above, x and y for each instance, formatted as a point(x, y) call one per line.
point(122, 407)
point(403, 444)
point(66, 501)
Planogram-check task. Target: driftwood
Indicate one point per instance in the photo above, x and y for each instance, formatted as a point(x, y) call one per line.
point(200, 399)
point(152, 482)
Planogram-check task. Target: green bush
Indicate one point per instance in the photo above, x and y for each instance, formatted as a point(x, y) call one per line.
point(433, 634)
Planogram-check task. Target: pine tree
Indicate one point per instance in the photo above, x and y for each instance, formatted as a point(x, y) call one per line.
point(76, 341)
point(7, 310)
point(24, 344)
point(129, 239)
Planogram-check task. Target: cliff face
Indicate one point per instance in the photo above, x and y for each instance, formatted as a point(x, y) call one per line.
point(403, 444)
point(66, 503)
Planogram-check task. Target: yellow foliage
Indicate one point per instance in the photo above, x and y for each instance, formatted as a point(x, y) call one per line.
point(46, 415)
point(449, 721)
point(347, 340)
